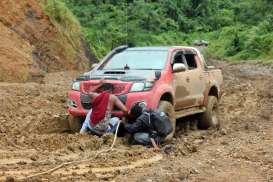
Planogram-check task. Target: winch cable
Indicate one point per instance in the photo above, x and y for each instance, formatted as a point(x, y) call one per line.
point(77, 161)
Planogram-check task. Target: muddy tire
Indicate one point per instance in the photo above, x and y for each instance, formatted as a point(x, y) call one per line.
point(168, 108)
point(209, 118)
point(74, 123)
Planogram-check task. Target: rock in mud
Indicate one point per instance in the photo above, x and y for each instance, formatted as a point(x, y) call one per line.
point(223, 131)
point(34, 158)
point(194, 171)
point(108, 138)
point(168, 149)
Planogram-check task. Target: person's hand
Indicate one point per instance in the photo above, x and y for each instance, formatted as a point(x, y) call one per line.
point(125, 113)
point(156, 148)
point(91, 90)
point(123, 120)
point(94, 88)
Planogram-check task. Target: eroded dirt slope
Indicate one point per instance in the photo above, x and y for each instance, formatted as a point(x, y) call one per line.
point(31, 44)
point(34, 137)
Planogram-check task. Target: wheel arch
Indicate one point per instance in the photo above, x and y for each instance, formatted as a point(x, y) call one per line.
point(212, 91)
point(167, 96)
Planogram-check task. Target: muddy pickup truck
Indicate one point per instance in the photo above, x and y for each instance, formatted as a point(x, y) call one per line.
point(174, 79)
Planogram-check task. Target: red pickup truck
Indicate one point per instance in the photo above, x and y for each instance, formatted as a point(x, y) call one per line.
point(173, 79)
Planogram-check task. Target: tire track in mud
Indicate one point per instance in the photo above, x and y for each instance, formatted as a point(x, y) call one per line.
point(33, 137)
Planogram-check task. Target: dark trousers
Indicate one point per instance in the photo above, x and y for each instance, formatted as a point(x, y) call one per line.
point(144, 138)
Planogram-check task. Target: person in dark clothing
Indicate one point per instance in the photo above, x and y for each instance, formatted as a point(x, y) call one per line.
point(148, 127)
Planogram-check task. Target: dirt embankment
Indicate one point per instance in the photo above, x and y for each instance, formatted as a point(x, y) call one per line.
point(32, 44)
point(34, 137)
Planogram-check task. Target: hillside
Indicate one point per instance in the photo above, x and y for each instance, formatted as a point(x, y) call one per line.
point(32, 43)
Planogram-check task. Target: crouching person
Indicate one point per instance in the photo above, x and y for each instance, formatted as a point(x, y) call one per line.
point(148, 127)
point(99, 120)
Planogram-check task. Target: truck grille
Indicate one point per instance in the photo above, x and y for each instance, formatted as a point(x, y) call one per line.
point(88, 106)
point(118, 88)
point(85, 101)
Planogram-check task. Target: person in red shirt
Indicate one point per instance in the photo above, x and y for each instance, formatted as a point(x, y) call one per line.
point(99, 120)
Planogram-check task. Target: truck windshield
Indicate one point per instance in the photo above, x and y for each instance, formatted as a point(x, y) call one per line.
point(137, 60)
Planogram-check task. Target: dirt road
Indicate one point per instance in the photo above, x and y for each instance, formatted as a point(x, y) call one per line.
point(34, 137)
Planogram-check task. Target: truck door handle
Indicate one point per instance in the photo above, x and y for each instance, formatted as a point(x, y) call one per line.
point(201, 77)
point(187, 79)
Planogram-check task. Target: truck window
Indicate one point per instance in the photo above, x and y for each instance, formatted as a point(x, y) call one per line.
point(137, 60)
point(191, 61)
point(179, 58)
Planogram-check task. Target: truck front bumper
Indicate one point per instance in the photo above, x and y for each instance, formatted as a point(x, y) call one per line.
point(76, 108)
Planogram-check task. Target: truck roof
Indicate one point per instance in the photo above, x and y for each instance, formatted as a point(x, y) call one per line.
point(158, 48)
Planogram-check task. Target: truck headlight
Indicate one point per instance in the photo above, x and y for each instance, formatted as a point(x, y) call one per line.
point(142, 86)
point(137, 87)
point(76, 86)
point(148, 85)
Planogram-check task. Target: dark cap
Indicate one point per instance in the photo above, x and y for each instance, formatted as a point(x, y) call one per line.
point(137, 109)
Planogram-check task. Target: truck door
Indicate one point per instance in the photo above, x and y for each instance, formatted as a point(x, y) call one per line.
point(194, 79)
point(182, 91)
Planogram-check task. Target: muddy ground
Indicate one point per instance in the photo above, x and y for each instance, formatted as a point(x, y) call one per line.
point(34, 137)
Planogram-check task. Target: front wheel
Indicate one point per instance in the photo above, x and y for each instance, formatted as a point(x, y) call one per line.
point(209, 118)
point(75, 123)
point(168, 108)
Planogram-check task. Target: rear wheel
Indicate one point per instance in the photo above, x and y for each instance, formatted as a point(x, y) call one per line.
point(168, 108)
point(75, 123)
point(209, 118)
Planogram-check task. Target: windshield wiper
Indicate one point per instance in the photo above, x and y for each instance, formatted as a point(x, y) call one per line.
point(109, 69)
point(126, 67)
point(146, 69)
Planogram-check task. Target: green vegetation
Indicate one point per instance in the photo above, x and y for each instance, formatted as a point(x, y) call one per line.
point(63, 18)
point(235, 29)
point(68, 42)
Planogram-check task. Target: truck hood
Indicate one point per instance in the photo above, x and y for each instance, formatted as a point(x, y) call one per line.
point(121, 79)
point(123, 75)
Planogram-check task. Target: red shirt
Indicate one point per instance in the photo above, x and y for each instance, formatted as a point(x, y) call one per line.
point(99, 107)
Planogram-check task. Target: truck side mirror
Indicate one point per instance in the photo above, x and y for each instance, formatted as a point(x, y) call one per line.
point(179, 67)
point(157, 75)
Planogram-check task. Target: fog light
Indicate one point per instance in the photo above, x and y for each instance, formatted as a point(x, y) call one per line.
point(72, 103)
